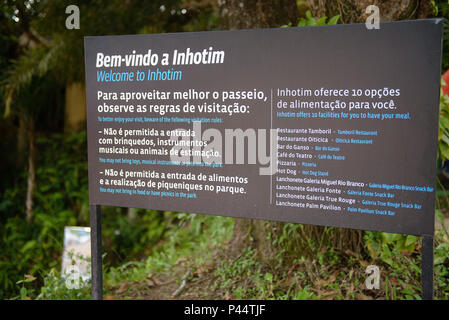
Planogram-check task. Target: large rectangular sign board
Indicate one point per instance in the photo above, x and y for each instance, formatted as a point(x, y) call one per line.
point(332, 125)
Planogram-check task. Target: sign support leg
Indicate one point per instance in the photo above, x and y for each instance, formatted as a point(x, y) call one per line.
point(427, 267)
point(95, 238)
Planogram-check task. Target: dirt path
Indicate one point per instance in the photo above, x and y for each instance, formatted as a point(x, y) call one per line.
point(179, 285)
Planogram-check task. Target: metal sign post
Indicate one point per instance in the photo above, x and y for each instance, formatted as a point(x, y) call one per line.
point(427, 267)
point(95, 234)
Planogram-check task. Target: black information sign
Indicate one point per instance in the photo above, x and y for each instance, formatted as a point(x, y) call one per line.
point(331, 126)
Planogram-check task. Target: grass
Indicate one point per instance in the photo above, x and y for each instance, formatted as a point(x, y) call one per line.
point(190, 260)
point(330, 275)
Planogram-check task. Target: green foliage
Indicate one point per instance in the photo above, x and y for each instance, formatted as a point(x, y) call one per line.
point(55, 288)
point(304, 294)
point(163, 241)
point(131, 238)
point(434, 7)
point(309, 20)
point(441, 253)
point(60, 50)
point(384, 246)
point(441, 9)
point(443, 133)
point(401, 253)
point(186, 235)
point(245, 277)
point(25, 292)
point(35, 62)
point(60, 199)
point(441, 261)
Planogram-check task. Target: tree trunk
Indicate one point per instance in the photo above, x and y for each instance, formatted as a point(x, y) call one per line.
point(249, 14)
point(265, 237)
point(22, 140)
point(353, 11)
point(237, 14)
point(75, 107)
point(31, 181)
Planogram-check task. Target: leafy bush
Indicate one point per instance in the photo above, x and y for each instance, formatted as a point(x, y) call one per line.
point(55, 288)
point(443, 133)
point(61, 199)
point(381, 245)
point(309, 21)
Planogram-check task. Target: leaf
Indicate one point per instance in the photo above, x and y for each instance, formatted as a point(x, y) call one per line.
point(157, 281)
point(321, 21)
point(303, 294)
point(149, 282)
point(361, 296)
point(29, 278)
point(333, 20)
point(411, 240)
point(122, 288)
point(23, 293)
point(386, 255)
point(364, 263)
point(28, 246)
point(439, 260)
point(445, 138)
point(268, 277)
point(373, 248)
point(391, 237)
point(444, 119)
point(444, 151)
point(35, 61)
